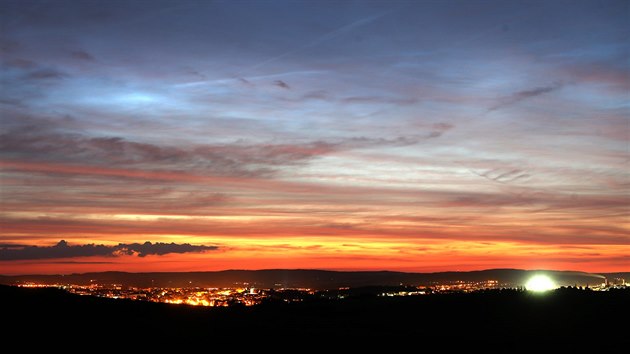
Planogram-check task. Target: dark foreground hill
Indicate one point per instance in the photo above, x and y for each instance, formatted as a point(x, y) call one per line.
point(570, 318)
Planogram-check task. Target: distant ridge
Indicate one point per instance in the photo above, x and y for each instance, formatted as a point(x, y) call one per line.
point(307, 278)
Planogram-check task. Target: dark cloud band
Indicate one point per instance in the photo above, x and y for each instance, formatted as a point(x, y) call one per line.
point(62, 249)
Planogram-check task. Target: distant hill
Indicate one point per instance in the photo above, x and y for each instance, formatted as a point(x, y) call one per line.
point(316, 279)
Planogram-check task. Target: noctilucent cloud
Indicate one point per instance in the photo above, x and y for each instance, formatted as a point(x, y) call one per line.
point(399, 135)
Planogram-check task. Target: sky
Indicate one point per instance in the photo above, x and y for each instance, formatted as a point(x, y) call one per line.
point(348, 135)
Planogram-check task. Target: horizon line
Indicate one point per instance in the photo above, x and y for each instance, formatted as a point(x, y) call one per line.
point(323, 270)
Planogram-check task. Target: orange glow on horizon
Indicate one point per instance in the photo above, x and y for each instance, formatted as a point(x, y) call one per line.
point(337, 254)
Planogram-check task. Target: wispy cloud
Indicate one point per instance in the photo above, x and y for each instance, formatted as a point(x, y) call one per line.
point(62, 249)
point(43, 141)
point(438, 129)
point(504, 176)
point(523, 95)
point(281, 84)
point(380, 100)
point(27, 69)
point(220, 159)
point(82, 55)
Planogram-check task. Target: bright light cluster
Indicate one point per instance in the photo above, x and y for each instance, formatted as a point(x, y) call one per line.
point(540, 283)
